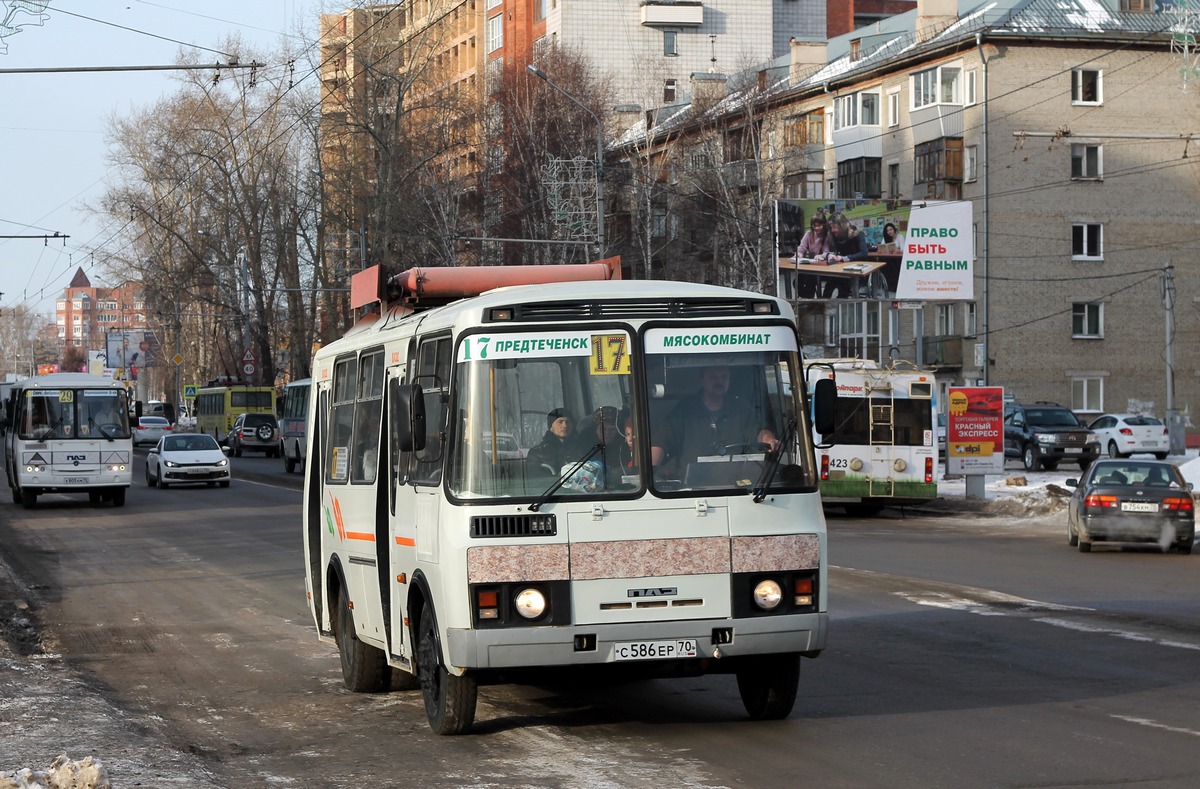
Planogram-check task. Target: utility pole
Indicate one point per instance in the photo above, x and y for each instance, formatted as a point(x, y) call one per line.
point(1174, 419)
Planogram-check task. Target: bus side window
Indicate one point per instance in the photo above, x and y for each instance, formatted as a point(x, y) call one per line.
point(433, 374)
point(368, 414)
point(341, 427)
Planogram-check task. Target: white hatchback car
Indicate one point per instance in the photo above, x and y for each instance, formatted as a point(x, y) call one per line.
point(187, 457)
point(1122, 435)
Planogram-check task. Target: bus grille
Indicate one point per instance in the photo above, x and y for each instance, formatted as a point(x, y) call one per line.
point(531, 525)
point(581, 310)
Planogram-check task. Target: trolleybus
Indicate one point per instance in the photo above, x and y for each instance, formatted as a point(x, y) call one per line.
point(68, 433)
point(218, 405)
point(883, 447)
point(434, 559)
point(293, 422)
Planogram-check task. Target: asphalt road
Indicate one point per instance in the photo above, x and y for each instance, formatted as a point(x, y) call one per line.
point(964, 651)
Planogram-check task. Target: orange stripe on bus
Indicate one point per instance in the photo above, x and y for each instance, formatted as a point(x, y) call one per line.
point(360, 535)
point(409, 541)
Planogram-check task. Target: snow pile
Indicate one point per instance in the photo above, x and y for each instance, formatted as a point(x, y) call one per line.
point(64, 773)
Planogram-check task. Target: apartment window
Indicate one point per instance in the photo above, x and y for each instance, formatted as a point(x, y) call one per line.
point(859, 177)
point(1086, 86)
point(941, 85)
point(1143, 6)
point(971, 319)
point(894, 180)
point(856, 109)
point(805, 186)
point(938, 160)
point(893, 103)
point(670, 90)
point(971, 163)
point(970, 95)
point(670, 43)
point(1086, 161)
point(658, 222)
point(494, 4)
point(1087, 394)
point(495, 33)
point(945, 320)
point(741, 144)
point(1087, 320)
point(1087, 242)
point(805, 129)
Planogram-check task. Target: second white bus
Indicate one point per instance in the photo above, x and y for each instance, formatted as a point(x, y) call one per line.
point(68, 433)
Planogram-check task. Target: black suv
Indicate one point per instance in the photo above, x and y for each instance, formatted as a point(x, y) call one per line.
point(1043, 434)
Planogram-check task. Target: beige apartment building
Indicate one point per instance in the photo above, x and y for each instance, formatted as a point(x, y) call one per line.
point(1070, 128)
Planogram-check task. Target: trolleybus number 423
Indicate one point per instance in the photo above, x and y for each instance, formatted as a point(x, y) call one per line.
point(645, 650)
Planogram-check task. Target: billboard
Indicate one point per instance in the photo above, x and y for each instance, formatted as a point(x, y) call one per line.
point(131, 351)
point(874, 249)
point(975, 430)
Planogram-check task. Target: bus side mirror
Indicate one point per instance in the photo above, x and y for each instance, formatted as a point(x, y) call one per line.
point(408, 416)
point(824, 400)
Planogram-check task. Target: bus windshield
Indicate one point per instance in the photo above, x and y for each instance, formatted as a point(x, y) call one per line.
point(723, 410)
point(534, 409)
point(565, 414)
point(75, 413)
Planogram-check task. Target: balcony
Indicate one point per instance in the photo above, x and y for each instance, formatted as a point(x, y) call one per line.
point(946, 351)
point(673, 14)
point(742, 175)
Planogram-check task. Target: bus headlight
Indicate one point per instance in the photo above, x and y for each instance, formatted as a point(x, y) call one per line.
point(35, 469)
point(116, 467)
point(767, 595)
point(530, 603)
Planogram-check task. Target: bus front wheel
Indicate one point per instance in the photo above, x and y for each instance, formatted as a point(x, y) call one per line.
point(768, 685)
point(118, 497)
point(29, 499)
point(449, 699)
point(362, 664)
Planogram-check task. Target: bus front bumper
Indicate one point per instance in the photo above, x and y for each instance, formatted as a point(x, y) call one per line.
point(577, 645)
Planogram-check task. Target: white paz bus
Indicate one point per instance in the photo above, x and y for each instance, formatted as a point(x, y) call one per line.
point(68, 433)
point(436, 556)
point(882, 450)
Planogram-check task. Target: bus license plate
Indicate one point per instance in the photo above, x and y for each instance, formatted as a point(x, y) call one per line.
point(75, 480)
point(655, 650)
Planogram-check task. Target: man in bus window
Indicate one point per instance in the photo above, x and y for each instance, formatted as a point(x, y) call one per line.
point(558, 446)
point(711, 422)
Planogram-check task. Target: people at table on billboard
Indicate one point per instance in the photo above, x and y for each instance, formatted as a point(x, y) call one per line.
point(815, 243)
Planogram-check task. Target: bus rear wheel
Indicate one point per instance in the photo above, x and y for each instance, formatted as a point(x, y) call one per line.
point(449, 699)
point(362, 664)
point(768, 685)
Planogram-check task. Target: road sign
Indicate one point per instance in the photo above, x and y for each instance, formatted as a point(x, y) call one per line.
point(248, 356)
point(177, 359)
point(189, 392)
point(248, 368)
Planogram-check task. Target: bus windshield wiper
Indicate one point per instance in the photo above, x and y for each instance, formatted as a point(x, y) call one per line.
point(550, 491)
point(99, 428)
point(768, 475)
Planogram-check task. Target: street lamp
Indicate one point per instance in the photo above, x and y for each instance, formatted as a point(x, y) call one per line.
point(537, 72)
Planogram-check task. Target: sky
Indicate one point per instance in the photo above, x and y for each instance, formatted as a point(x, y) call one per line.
point(53, 125)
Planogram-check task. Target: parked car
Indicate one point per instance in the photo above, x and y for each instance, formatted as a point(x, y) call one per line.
point(254, 431)
point(1043, 434)
point(1122, 435)
point(149, 429)
point(192, 457)
point(1131, 501)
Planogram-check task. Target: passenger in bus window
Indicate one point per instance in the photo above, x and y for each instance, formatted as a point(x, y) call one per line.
point(558, 446)
point(711, 422)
